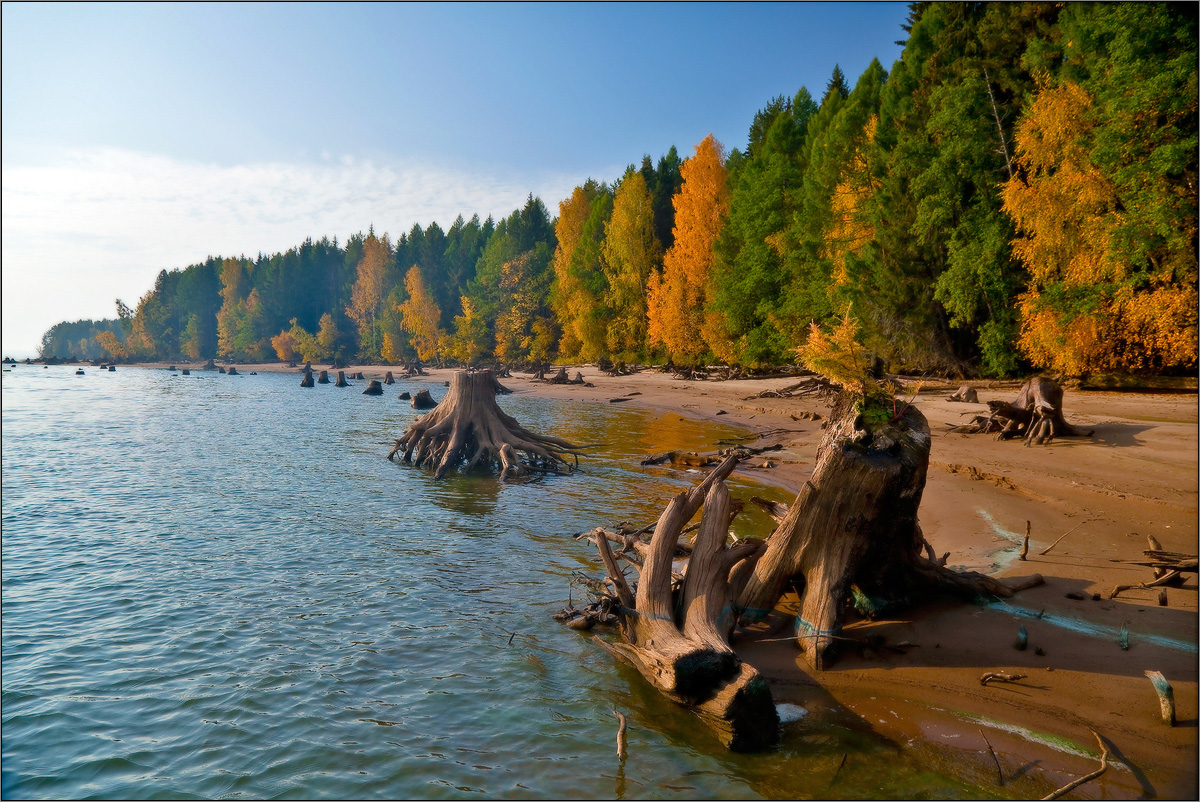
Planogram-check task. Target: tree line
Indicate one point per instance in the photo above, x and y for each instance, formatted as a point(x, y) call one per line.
point(1018, 192)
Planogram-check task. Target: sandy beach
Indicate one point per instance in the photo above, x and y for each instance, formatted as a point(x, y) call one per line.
point(1136, 476)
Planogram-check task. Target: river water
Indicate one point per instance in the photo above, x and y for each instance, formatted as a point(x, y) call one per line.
point(217, 586)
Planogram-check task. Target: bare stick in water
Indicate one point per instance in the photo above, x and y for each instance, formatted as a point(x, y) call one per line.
point(620, 735)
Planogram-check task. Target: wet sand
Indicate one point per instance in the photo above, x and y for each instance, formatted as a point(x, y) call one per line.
point(1136, 476)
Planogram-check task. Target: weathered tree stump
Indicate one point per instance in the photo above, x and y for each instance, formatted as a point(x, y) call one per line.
point(210, 365)
point(680, 641)
point(388, 378)
point(404, 396)
point(374, 388)
point(1035, 414)
point(423, 400)
point(965, 394)
point(341, 382)
point(468, 428)
point(232, 371)
point(307, 381)
point(323, 378)
point(560, 377)
point(853, 530)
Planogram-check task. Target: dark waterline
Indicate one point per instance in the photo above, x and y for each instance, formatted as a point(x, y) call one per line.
point(216, 586)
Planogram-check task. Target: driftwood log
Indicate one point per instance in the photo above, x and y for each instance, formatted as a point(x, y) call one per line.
point(679, 640)
point(965, 394)
point(468, 428)
point(852, 532)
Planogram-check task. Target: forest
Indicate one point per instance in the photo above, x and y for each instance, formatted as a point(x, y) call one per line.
point(1017, 193)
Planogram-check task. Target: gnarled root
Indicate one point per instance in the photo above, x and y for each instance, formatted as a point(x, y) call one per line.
point(468, 428)
point(690, 659)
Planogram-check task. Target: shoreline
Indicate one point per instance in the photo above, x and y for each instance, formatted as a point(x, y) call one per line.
point(1136, 476)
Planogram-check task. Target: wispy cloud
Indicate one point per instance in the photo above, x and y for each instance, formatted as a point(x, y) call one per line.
point(100, 224)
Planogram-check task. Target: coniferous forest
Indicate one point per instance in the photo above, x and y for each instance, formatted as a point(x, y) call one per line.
point(1018, 192)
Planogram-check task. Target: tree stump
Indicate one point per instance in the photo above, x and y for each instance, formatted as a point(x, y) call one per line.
point(680, 641)
point(853, 527)
point(965, 394)
point(374, 388)
point(1035, 414)
point(323, 378)
point(307, 381)
point(468, 428)
point(388, 378)
point(423, 400)
point(232, 371)
point(341, 382)
point(560, 377)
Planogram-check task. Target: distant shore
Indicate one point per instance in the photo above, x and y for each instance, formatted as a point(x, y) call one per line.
point(1136, 476)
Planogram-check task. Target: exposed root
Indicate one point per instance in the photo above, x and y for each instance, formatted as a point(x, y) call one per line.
point(468, 429)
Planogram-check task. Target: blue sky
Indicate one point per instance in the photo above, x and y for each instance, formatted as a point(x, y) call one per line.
point(141, 137)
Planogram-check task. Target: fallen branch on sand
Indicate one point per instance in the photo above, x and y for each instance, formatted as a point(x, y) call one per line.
point(1086, 778)
point(997, 676)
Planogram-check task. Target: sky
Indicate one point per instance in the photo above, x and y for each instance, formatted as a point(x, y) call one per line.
point(139, 137)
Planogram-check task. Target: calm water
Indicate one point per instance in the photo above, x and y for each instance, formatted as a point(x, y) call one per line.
point(216, 586)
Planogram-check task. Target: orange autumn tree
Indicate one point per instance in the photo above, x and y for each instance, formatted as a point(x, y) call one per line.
point(676, 299)
point(1089, 306)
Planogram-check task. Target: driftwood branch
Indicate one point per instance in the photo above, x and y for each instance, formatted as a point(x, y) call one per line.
point(1087, 777)
point(1166, 696)
point(997, 676)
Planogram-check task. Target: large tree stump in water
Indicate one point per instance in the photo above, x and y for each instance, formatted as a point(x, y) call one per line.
point(680, 641)
point(853, 527)
point(468, 428)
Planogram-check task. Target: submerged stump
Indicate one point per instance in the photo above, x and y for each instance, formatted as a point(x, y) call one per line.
point(468, 428)
point(679, 639)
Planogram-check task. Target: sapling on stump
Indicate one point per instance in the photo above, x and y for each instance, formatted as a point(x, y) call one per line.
point(852, 532)
point(679, 639)
point(468, 428)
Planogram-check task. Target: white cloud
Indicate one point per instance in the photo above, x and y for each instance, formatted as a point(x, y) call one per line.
point(100, 224)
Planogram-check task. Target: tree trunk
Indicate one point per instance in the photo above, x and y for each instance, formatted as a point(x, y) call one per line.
point(468, 428)
point(853, 530)
point(680, 641)
point(1035, 414)
point(423, 400)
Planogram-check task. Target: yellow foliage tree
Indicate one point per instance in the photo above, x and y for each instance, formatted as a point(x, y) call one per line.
point(469, 342)
point(850, 228)
point(676, 299)
point(285, 345)
point(109, 342)
point(631, 252)
point(368, 291)
point(574, 297)
point(420, 317)
point(1087, 306)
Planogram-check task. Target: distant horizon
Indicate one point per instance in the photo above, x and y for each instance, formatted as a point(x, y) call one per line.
point(149, 137)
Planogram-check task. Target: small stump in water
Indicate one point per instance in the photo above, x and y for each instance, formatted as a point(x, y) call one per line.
point(374, 388)
point(423, 400)
point(468, 428)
